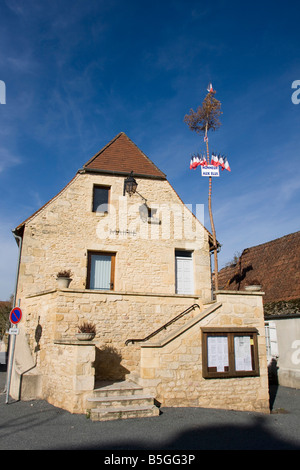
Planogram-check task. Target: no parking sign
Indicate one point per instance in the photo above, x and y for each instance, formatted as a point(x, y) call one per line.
point(15, 315)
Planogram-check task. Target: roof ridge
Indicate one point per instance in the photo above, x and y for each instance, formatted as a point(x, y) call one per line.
point(104, 148)
point(140, 162)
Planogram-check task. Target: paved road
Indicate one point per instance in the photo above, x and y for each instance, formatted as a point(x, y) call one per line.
point(36, 425)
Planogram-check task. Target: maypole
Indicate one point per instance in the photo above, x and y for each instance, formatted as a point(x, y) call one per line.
point(211, 217)
point(204, 119)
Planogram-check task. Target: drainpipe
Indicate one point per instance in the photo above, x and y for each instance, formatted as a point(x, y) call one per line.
point(12, 348)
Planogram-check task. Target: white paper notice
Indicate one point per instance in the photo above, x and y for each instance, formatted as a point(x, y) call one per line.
point(242, 353)
point(217, 352)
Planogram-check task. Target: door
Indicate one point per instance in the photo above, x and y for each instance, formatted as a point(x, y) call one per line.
point(184, 276)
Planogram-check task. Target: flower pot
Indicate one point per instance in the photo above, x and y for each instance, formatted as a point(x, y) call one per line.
point(63, 282)
point(253, 288)
point(85, 336)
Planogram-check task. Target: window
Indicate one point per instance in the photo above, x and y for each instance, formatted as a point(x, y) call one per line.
point(101, 270)
point(101, 198)
point(229, 352)
point(184, 276)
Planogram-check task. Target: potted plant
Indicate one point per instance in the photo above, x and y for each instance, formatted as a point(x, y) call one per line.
point(253, 285)
point(63, 279)
point(86, 331)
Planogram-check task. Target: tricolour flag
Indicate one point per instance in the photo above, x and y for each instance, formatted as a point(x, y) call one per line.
point(221, 162)
point(214, 160)
point(226, 165)
point(203, 161)
point(194, 162)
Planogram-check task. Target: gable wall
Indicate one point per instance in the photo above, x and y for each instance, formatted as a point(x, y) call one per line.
point(59, 236)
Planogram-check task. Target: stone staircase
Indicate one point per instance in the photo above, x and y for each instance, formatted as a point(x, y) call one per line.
point(120, 400)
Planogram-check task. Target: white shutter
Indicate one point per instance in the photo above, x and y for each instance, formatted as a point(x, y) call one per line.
point(184, 275)
point(271, 339)
point(100, 272)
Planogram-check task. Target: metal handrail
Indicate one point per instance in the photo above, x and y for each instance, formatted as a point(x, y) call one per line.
point(192, 307)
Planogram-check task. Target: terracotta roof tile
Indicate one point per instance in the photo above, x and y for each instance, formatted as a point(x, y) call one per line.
point(121, 155)
point(275, 265)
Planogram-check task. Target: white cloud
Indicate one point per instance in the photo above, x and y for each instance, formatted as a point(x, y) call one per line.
point(7, 159)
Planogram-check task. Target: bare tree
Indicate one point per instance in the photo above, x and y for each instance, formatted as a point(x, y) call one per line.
point(5, 308)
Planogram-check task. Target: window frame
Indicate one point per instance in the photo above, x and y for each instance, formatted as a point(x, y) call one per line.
point(112, 269)
point(102, 186)
point(230, 333)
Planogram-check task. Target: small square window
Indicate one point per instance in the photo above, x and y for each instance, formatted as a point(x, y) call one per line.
point(101, 196)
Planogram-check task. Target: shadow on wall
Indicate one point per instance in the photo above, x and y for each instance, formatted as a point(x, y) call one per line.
point(273, 381)
point(108, 364)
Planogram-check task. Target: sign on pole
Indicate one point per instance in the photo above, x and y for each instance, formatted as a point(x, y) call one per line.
point(14, 330)
point(210, 170)
point(15, 315)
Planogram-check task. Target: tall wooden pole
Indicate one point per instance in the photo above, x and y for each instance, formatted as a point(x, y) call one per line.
point(211, 218)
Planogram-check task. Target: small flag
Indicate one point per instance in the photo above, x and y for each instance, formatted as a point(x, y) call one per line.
point(226, 165)
point(221, 162)
point(203, 161)
point(210, 88)
point(194, 163)
point(214, 160)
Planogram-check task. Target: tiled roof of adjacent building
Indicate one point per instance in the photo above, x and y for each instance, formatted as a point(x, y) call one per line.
point(275, 265)
point(121, 156)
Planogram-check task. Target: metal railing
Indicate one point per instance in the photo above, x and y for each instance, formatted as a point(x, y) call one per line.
point(164, 327)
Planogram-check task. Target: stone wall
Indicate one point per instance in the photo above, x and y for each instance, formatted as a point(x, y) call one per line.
point(172, 367)
point(59, 236)
point(117, 316)
point(169, 366)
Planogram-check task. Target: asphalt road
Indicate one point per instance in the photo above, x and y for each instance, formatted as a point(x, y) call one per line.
point(36, 425)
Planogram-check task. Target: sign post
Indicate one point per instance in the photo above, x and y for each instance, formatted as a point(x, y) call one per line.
point(14, 317)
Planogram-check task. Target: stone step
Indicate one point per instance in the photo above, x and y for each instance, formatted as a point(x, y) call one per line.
point(106, 389)
point(120, 400)
point(109, 414)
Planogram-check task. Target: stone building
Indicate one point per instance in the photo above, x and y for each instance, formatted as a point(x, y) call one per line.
point(140, 272)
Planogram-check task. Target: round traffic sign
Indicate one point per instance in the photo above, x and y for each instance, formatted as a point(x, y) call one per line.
point(15, 315)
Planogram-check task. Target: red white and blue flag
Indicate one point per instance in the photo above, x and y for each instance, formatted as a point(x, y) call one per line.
point(214, 160)
point(221, 162)
point(203, 161)
point(226, 165)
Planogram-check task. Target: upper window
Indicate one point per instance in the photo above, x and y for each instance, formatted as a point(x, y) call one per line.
point(229, 352)
point(101, 196)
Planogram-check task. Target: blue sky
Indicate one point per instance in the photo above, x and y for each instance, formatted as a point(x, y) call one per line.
point(79, 72)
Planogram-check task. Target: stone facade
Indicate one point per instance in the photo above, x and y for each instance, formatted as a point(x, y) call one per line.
point(172, 367)
point(142, 297)
point(60, 235)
